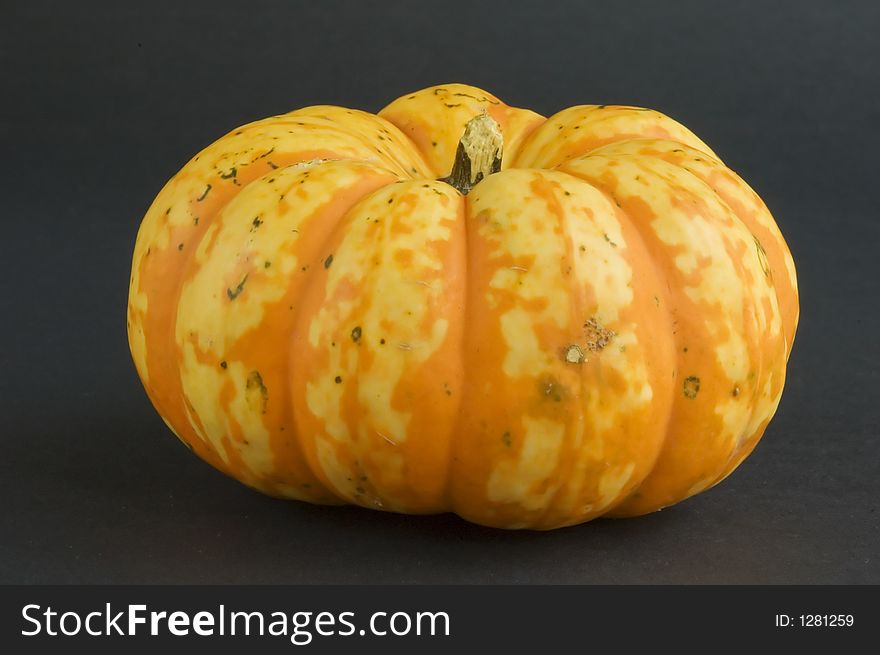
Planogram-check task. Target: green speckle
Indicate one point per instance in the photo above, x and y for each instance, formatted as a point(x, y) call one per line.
point(691, 386)
point(234, 293)
point(231, 173)
point(204, 193)
point(550, 388)
point(256, 391)
point(762, 258)
point(328, 262)
point(257, 222)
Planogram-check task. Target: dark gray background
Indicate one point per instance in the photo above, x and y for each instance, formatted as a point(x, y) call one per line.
point(104, 102)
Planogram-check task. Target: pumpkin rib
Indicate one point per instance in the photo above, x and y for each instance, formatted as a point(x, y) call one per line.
point(664, 298)
point(306, 117)
point(297, 332)
point(749, 439)
point(347, 391)
point(779, 261)
point(762, 368)
point(591, 127)
point(387, 133)
point(569, 489)
point(299, 434)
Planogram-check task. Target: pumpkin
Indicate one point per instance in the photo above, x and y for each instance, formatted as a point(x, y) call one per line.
point(458, 305)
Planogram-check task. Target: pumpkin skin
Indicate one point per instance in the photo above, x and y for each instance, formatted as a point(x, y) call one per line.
point(600, 328)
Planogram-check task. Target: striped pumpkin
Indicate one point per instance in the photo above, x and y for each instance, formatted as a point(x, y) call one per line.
point(322, 310)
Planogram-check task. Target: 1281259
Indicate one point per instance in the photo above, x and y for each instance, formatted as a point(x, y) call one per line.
point(815, 620)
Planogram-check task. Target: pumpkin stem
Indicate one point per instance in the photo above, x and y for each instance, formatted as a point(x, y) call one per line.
point(478, 154)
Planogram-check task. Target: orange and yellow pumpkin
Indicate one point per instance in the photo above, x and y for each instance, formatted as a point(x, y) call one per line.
point(600, 327)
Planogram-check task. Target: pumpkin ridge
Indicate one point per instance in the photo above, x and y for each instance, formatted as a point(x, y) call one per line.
point(386, 132)
point(664, 300)
point(761, 365)
point(749, 439)
point(298, 327)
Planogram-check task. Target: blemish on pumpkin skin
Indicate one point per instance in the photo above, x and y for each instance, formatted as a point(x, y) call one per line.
point(735, 391)
point(762, 258)
point(204, 194)
point(574, 354)
point(598, 336)
point(328, 262)
point(691, 386)
point(255, 385)
point(506, 439)
point(356, 334)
